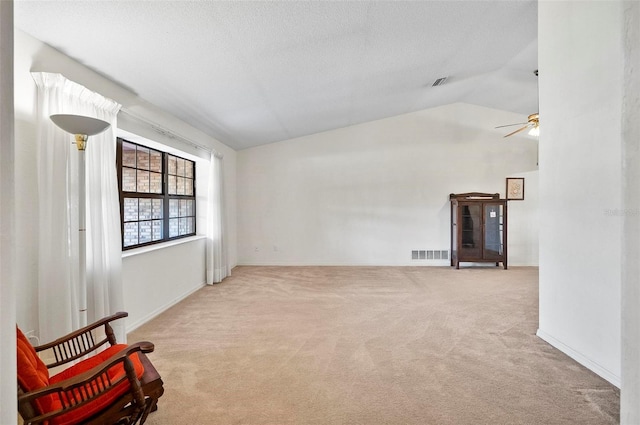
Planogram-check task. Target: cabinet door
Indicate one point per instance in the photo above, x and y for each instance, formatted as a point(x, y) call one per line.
point(470, 228)
point(493, 231)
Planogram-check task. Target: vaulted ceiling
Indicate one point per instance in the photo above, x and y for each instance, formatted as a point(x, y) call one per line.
point(251, 73)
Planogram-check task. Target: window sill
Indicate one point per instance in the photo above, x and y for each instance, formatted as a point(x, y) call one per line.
point(145, 249)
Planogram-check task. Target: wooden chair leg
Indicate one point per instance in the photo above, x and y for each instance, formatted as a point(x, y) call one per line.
point(152, 387)
point(151, 406)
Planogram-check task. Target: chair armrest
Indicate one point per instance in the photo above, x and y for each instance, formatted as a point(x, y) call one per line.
point(82, 341)
point(81, 389)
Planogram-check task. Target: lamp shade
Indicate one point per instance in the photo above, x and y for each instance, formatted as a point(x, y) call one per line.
point(78, 124)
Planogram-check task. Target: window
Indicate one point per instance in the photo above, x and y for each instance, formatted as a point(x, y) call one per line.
point(157, 195)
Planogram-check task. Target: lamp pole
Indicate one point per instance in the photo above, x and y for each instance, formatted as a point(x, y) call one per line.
point(81, 144)
point(81, 127)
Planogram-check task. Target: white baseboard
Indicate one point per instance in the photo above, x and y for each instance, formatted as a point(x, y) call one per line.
point(410, 263)
point(584, 361)
point(133, 326)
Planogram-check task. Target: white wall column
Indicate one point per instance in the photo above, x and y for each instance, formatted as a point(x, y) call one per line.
point(8, 413)
point(580, 58)
point(630, 391)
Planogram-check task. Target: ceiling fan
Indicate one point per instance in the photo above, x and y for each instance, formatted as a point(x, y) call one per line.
point(532, 124)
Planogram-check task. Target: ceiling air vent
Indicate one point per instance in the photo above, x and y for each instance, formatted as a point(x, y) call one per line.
point(439, 82)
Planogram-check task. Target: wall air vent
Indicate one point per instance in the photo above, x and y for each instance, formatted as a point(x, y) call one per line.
point(418, 255)
point(430, 255)
point(439, 82)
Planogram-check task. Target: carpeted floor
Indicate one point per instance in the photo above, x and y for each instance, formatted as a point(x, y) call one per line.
point(368, 345)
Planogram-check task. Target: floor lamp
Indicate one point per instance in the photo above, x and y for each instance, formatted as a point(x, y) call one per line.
point(82, 127)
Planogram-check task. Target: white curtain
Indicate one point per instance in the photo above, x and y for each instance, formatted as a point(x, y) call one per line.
point(217, 268)
point(58, 210)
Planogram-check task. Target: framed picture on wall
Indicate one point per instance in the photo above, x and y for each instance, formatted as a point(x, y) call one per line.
point(515, 188)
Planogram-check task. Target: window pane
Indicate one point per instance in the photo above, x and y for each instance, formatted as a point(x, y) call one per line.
point(131, 210)
point(156, 161)
point(145, 232)
point(173, 227)
point(128, 179)
point(180, 165)
point(180, 185)
point(189, 207)
point(190, 226)
point(172, 185)
point(174, 209)
point(183, 226)
point(128, 155)
point(156, 230)
point(156, 182)
point(143, 181)
point(172, 165)
point(130, 234)
point(143, 158)
point(188, 169)
point(144, 211)
point(157, 209)
point(188, 187)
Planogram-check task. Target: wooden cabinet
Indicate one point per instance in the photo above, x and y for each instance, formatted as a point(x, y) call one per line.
point(478, 228)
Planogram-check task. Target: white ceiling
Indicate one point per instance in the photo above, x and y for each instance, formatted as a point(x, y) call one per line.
point(250, 73)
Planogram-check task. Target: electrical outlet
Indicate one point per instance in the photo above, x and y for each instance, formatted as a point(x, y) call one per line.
point(32, 337)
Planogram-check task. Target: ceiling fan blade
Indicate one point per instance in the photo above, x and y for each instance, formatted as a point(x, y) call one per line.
point(511, 125)
point(518, 130)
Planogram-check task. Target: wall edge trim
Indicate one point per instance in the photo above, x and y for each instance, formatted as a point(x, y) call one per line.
point(133, 326)
point(599, 370)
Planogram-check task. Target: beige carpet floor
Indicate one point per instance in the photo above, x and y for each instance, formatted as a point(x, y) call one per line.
point(368, 345)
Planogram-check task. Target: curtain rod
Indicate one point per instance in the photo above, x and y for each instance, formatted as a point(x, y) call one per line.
point(170, 134)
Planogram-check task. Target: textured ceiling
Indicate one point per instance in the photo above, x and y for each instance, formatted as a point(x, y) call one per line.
point(250, 73)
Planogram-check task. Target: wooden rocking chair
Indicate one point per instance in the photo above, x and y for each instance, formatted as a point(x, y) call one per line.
point(118, 385)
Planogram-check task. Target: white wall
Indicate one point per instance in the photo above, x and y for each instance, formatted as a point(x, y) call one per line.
point(523, 223)
point(26, 197)
point(630, 391)
point(32, 55)
point(371, 193)
point(7, 234)
point(150, 288)
point(580, 62)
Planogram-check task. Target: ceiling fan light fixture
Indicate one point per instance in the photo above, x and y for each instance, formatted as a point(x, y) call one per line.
point(533, 123)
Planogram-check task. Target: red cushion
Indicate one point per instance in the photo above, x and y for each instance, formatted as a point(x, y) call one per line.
point(33, 375)
point(105, 399)
point(32, 372)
